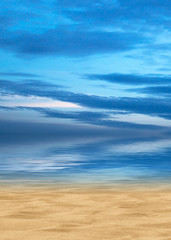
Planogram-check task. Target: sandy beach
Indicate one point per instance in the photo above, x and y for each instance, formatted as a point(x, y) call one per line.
point(88, 213)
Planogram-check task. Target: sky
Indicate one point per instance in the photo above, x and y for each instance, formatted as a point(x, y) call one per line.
point(74, 70)
point(85, 90)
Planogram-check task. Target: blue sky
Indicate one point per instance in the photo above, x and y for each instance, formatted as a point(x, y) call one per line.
point(92, 64)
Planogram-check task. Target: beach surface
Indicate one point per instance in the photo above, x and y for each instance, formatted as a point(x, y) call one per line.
point(85, 213)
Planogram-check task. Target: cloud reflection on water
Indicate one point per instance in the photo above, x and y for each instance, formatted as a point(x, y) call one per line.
point(91, 161)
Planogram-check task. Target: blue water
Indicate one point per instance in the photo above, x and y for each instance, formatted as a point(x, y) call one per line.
point(94, 160)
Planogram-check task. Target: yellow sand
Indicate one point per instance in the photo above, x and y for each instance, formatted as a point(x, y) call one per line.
point(71, 214)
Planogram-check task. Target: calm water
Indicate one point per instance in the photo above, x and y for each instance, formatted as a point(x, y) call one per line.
point(93, 160)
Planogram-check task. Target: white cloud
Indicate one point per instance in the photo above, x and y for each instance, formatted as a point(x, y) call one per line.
point(20, 101)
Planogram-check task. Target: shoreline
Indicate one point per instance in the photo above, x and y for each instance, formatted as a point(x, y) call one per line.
point(117, 185)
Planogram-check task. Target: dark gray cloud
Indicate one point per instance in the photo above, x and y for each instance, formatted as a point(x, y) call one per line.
point(26, 87)
point(18, 74)
point(35, 151)
point(162, 91)
point(14, 132)
point(11, 131)
point(64, 42)
point(56, 27)
point(94, 118)
point(131, 79)
point(88, 4)
point(150, 106)
point(118, 13)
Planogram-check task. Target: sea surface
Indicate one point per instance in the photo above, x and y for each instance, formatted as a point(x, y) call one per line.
point(83, 161)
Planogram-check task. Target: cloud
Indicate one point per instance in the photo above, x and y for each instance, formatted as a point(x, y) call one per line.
point(164, 91)
point(80, 28)
point(26, 87)
point(63, 42)
point(11, 17)
point(118, 13)
point(13, 132)
point(18, 74)
point(130, 79)
point(60, 153)
point(22, 101)
point(149, 106)
point(95, 118)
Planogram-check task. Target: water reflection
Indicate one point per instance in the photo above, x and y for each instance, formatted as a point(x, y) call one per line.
point(91, 160)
